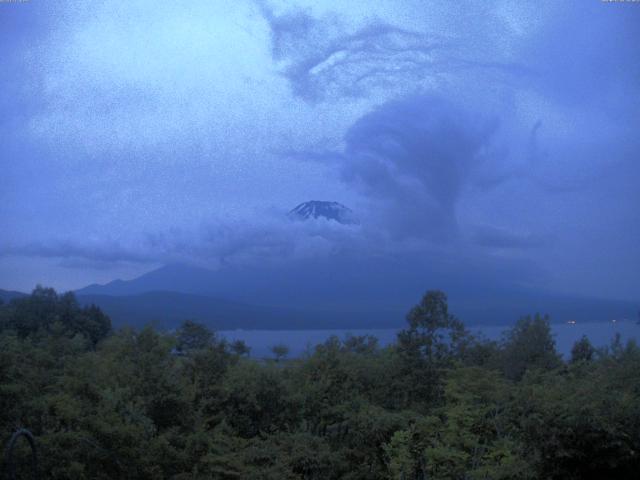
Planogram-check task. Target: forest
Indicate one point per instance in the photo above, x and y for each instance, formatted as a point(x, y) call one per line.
point(438, 404)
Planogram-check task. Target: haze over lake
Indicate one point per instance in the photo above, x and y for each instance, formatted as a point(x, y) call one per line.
point(302, 341)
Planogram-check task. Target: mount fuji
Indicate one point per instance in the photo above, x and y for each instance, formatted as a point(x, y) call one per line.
point(315, 209)
point(338, 292)
point(346, 289)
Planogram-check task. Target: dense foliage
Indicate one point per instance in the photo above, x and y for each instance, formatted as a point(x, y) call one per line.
point(439, 404)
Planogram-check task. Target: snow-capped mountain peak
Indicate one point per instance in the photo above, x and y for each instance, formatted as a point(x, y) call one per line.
point(315, 209)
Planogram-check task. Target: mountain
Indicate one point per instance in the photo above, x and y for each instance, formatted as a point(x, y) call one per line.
point(343, 291)
point(315, 209)
point(169, 309)
point(8, 295)
point(341, 282)
point(173, 277)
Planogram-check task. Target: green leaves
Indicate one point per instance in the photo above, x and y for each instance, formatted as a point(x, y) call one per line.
point(45, 313)
point(529, 345)
point(193, 336)
point(437, 405)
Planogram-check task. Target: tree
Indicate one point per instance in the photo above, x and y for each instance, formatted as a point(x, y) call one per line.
point(193, 336)
point(433, 333)
point(400, 460)
point(45, 312)
point(255, 399)
point(582, 351)
point(280, 351)
point(240, 348)
point(93, 323)
point(36, 312)
point(360, 344)
point(528, 345)
point(131, 408)
point(432, 341)
point(469, 436)
point(583, 422)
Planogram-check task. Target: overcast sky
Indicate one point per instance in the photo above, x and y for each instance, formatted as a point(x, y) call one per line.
point(139, 133)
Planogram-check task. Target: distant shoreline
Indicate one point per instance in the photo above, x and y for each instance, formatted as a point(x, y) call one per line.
point(299, 340)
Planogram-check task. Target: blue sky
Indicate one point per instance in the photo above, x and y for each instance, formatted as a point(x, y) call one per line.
point(502, 134)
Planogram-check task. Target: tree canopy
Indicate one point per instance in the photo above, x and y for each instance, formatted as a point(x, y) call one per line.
point(438, 404)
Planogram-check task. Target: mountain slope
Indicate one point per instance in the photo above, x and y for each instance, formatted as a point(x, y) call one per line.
point(353, 292)
point(8, 295)
point(173, 277)
point(169, 309)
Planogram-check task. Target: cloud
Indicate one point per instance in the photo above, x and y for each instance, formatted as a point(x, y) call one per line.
point(501, 238)
point(412, 158)
point(142, 132)
point(271, 238)
point(585, 56)
point(143, 76)
point(322, 58)
point(73, 251)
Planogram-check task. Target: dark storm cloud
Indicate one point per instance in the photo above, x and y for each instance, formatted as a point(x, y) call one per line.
point(537, 168)
point(150, 133)
point(323, 59)
point(413, 157)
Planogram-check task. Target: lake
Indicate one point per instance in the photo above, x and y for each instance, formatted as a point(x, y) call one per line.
point(300, 341)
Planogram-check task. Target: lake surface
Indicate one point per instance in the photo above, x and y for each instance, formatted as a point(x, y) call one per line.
point(301, 341)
